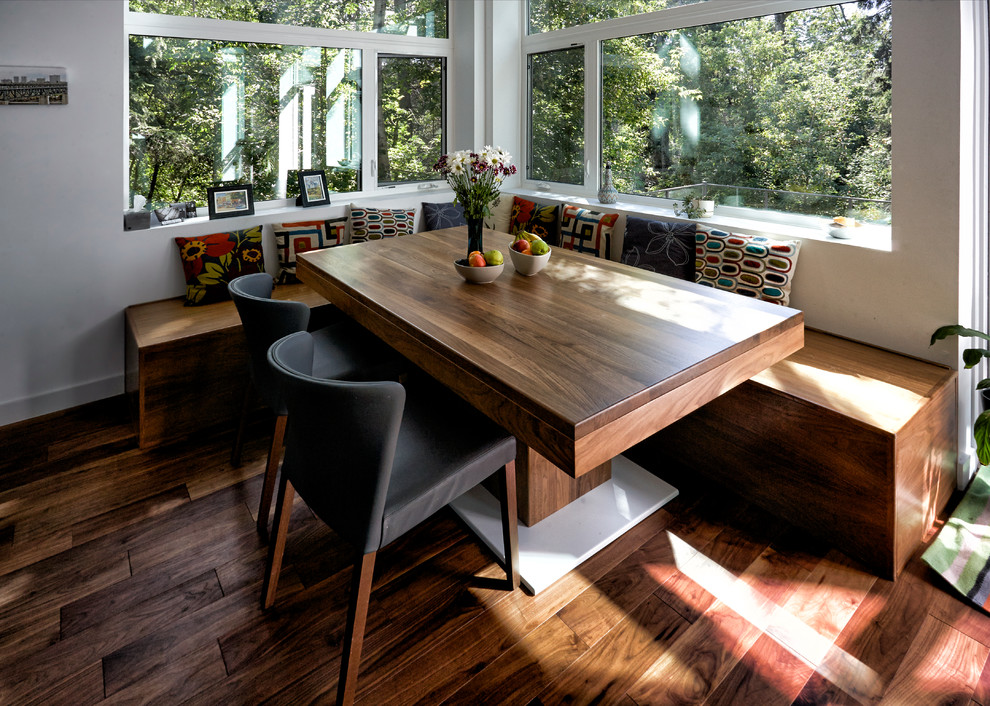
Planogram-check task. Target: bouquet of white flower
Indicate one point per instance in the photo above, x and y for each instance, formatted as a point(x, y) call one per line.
point(476, 177)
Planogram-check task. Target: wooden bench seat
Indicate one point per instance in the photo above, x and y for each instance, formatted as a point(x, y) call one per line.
point(186, 366)
point(853, 443)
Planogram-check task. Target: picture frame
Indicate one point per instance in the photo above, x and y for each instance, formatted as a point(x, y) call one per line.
point(230, 201)
point(34, 85)
point(313, 189)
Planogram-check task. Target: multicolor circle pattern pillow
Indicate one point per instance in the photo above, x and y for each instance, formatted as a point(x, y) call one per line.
point(211, 261)
point(751, 265)
point(376, 223)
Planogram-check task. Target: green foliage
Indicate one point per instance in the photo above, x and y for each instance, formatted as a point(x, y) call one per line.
point(547, 15)
point(797, 102)
point(557, 116)
point(427, 17)
point(410, 117)
point(972, 357)
point(202, 112)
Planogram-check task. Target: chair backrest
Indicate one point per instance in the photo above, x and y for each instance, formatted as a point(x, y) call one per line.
point(265, 320)
point(340, 442)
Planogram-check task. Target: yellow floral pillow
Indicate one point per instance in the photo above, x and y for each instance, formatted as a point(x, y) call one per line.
point(210, 261)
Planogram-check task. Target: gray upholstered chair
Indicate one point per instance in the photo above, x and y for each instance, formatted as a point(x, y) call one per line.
point(343, 349)
point(374, 459)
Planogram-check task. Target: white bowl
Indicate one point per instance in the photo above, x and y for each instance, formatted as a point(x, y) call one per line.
point(480, 275)
point(528, 265)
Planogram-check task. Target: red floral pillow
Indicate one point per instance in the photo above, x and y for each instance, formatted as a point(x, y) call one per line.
point(211, 261)
point(535, 218)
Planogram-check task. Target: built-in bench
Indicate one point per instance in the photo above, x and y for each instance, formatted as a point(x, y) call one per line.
point(853, 443)
point(186, 366)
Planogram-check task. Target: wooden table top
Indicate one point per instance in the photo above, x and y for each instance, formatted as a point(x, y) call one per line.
point(579, 361)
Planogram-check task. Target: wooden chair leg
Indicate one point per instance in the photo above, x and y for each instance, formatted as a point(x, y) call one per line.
point(357, 614)
point(235, 453)
point(283, 510)
point(510, 526)
point(271, 472)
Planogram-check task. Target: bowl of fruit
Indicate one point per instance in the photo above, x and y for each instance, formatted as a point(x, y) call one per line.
point(480, 267)
point(529, 253)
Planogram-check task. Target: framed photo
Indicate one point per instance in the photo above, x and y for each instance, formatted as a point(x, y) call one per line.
point(229, 201)
point(313, 188)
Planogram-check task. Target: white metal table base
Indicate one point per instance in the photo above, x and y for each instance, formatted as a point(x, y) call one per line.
point(557, 544)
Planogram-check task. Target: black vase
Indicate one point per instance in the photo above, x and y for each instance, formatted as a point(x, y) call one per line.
point(475, 228)
point(985, 399)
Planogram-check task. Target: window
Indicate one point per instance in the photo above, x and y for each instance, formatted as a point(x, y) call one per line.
point(418, 18)
point(788, 112)
point(547, 15)
point(214, 101)
point(206, 112)
point(556, 116)
point(799, 121)
point(410, 117)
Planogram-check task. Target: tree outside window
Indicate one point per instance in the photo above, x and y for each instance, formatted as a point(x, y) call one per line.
point(410, 117)
point(208, 112)
point(789, 111)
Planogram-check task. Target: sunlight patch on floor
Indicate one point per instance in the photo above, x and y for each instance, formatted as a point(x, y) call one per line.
point(796, 636)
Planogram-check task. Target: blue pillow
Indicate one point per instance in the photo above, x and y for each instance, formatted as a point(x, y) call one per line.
point(660, 246)
point(443, 215)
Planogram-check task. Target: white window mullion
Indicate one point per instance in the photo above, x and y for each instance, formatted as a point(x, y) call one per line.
point(592, 116)
point(369, 120)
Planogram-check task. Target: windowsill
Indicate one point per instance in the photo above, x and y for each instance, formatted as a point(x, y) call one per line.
point(867, 236)
point(285, 208)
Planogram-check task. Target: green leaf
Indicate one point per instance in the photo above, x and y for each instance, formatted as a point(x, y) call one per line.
point(973, 356)
point(983, 384)
point(981, 431)
point(957, 330)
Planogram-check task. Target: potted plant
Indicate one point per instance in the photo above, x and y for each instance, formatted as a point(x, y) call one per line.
point(695, 208)
point(972, 357)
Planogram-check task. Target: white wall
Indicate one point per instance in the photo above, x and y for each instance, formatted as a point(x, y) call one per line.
point(67, 268)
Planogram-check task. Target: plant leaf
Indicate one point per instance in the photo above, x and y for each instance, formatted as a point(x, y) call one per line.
point(973, 356)
point(957, 330)
point(983, 384)
point(981, 431)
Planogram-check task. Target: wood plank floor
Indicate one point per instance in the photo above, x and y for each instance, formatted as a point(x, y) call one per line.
point(134, 577)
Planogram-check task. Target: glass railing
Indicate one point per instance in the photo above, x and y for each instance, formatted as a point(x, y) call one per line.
point(873, 211)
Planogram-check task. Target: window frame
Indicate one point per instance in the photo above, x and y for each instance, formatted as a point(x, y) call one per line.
point(444, 131)
point(591, 37)
point(527, 128)
point(371, 45)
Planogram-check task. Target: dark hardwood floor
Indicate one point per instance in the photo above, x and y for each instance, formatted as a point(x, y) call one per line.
point(134, 577)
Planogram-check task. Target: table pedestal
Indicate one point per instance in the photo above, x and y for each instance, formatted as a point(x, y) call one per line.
point(557, 544)
point(542, 488)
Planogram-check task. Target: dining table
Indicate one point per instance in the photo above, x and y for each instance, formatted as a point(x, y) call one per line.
point(580, 362)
